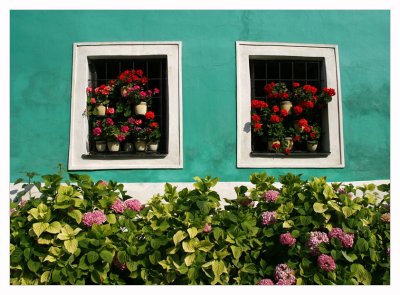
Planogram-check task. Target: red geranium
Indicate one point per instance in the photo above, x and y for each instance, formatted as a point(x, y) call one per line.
point(149, 115)
point(255, 118)
point(298, 110)
point(295, 84)
point(329, 91)
point(92, 100)
point(97, 131)
point(139, 73)
point(153, 125)
point(284, 113)
point(144, 80)
point(296, 138)
point(275, 109)
point(124, 129)
point(274, 119)
point(109, 121)
point(257, 126)
point(285, 95)
point(303, 122)
point(310, 88)
point(269, 87)
point(258, 104)
point(110, 111)
point(287, 151)
point(276, 145)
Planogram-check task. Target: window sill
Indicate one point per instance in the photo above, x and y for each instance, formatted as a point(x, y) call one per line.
point(291, 155)
point(123, 156)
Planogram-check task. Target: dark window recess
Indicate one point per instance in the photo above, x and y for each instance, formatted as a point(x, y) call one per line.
point(304, 71)
point(102, 71)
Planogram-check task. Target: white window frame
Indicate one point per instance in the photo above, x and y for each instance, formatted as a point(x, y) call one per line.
point(246, 50)
point(79, 143)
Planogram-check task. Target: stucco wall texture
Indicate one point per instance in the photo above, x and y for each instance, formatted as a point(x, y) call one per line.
point(41, 71)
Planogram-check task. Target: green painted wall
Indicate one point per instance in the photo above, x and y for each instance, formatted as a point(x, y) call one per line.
point(41, 65)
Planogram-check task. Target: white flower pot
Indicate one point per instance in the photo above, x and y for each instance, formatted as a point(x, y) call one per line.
point(101, 146)
point(140, 146)
point(141, 109)
point(152, 146)
point(270, 142)
point(101, 110)
point(128, 146)
point(312, 146)
point(113, 146)
point(286, 105)
point(289, 143)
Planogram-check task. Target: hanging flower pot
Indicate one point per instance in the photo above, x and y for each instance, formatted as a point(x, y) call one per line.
point(312, 145)
point(140, 145)
point(286, 105)
point(101, 110)
point(141, 109)
point(152, 146)
point(113, 146)
point(273, 144)
point(128, 146)
point(101, 145)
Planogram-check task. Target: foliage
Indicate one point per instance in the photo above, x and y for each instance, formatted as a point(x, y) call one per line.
point(189, 237)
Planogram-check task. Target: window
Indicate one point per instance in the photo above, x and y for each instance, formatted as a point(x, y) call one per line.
point(262, 63)
point(97, 64)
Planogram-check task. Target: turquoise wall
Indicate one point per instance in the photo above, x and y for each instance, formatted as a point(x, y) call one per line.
point(41, 65)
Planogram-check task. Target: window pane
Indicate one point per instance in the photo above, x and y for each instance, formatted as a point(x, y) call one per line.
point(299, 70)
point(286, 70)
point(273, 70)
point(312, 70)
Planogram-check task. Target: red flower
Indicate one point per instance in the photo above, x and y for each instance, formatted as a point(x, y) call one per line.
point(307, 129)
point(139, 73)
point(309, 104)
point(298, 110)
point(153, 125)
point(135, 78)
point(92, 100)
point(156, 91)
point(97, 131)
point(258, 104)
point(276, 145)
point(287, 151)
point(144, 80)
point(109, 121)
point(329, 91)
point(112, 82)
point(312, 135)
point(120, 137)
point(296, 138)
point(98, 123)
point(149, 115)
point(131, 120)
point(303, 122)
point(274, 119)
point(275, 109)
point(269, 87)
point(138, 122)
point(110, 111)
point(310, 88)
point(255, 118)
point(125, 77)
point(284, 113)
point(257, 126)
point(295, 84)
point(285, 95)
point(124, 129)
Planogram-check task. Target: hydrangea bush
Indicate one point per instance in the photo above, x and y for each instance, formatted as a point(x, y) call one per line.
point(302, 232)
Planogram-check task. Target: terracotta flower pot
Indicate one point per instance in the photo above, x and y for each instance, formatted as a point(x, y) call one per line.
point(101, 145)
point(101, 110)
point(271, 142)
point(140, 145)
point(152, 146)
point(312, 145)
point(287, 105)
point(141, 109)
point(113, 146)
point(128, 146)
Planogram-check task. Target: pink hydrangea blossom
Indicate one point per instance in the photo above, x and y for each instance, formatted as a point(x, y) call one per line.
point(265, 282)
point(347, 240)
point(268, 217)
point(287, 239)
point(118, 206)
point(133, 204)
point(284, 275)
point(271, 195)
point(335, 232)
point(316, 238)
point(326, 263)
point(95, 217)
point(207, 228)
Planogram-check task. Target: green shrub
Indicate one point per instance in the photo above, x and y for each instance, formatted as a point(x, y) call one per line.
point(94, 233)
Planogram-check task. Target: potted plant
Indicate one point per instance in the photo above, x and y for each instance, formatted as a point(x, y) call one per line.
point(276, 132)
point(312, 136)
point(154, 137)
point(140, 138)
point(114, 135)
point(287, 143)
point(97, 101)
point(278, 93)
point(98, 136)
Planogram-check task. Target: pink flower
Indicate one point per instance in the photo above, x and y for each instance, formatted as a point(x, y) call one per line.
point(143, 94)
point(149, 92)
point(120, 137)
point(125, 92)
point(156, 90)
point(207, 228)
point(335, 232)
point(268, 217)
point(118, 206)
point(97, 131)
point(138, 122)
point(136, 87)
point(92, 100)
point(316, 238)
point(95, 217)
point(265, 282)
point(109, 121)
point(284, 275)
point(131, 120)
point(287, 239)
point(345, 239)
point(134, 205)
point(326, 263)
point(89, 89)
point(271, 195)
point(104, 183)
point(110, 111)
point(124, 129)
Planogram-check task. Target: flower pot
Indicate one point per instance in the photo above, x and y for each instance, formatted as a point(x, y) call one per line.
point(141, 109)
point(271, 142)
point(312, 146)
point(288, 142)
point(128, 146)
point(140, 145)
point(298, 127)
point(113, 146)
point(152, 146)
point(101, 146)
point(286, 105)
point(101, 110)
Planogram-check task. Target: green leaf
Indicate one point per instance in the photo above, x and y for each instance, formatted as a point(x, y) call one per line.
point(288, 224)
point(361, 274)
point(204, 207)
point(178, 236)
point(188, 246)
point(44, 278)
point(107, 256)
point(192, 274)
point(34, 266)
point(319, 207)
point(54, 227)
point(349, 257)
point(347, 211)
point(236, 251)
point(218, 268)
point(192, 232)
point(56, 276)
point(205, 246)
point(92, 257)
point(71, 245)
point(189, 259)
point(50, 258)
point(218, 233)
point(361, 245)
point(39, 228)
point(19, 180)
point(249, 268)
point(329, 192)
point(77, 215)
